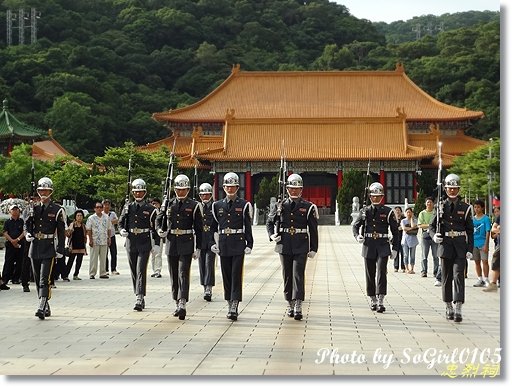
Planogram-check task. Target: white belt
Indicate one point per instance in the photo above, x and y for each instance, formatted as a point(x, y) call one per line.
point(40, 236)
point(178, 231)
point(293, 230)
point(139, 230)
point(228, 231)
point(375, 235)
point(453, 234)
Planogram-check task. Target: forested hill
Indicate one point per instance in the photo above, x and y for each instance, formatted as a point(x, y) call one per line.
point(100, 68)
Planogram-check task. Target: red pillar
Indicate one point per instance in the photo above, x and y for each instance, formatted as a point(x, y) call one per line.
point(248, 186)
point(340, 178)
point(382, 180)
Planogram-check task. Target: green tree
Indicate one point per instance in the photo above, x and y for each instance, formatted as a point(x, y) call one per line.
point(353, 185)
point(267, 189)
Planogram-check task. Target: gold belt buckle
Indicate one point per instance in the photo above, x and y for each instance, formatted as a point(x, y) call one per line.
point(39, 235)
point(451, 233)
point(179, 231)
point(292, 230)
point(374, 235)
point(136, 231)
point(227, 231)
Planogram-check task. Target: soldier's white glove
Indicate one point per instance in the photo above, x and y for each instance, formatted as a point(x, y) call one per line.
point(469, 255)
point(215, 249)
point(196, 254)
point(123, 233)
point(29, 237)
point(360, 238)
point(247, 250)
point(311, 254)
point(161, 233)
point(438, 238)
point(155, 250)
point(276, 238)
point(394, 253)
point(58, 255)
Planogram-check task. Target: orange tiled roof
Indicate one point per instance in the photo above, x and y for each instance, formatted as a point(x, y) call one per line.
point(315, 94)
point(457, 144)
point(383, 139)
point(47, 150)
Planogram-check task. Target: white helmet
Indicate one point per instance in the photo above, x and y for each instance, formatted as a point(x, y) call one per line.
point(205, 188)
point(294, 181)
point(43, 184)
point(231, 179)
point(376, 189)
point(139, 185)
point(181, 182)
point(452, 181)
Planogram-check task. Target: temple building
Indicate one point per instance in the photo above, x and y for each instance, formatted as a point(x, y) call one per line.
point(324, 123)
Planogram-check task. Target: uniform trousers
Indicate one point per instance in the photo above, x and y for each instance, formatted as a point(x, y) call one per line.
point(113, 255)
point(138, 261)
point(376, 267)
point(179, 271)
point(12, 264)
point(293, 268)
point(232, 276)
point(41, 269)
point(453, 279)
point(207, 267)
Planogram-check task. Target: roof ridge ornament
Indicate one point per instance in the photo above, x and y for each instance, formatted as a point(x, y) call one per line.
point(399, 67)
point(400, 112)
point(6, 105)
point(235, 69)
point(230, 114)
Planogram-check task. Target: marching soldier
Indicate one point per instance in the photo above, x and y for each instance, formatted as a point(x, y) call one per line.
point(183, 227)
point(45, 227)
point(296, 240)
point(232, 240)
point(371, 229)
point(137, 225)
point(207, 257)
point(455, 245)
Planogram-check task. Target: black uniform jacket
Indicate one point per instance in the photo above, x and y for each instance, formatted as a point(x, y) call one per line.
point(207, 225)
point(233, 225)
point(184, 224)
point(139, 221)
point(379, 219)
point(456, 229)
point(44, 225)
point(299, 227)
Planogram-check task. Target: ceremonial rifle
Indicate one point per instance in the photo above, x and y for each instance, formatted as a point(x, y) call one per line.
point(168, 185)
point(32, 194)
point(365, 198)
point(281, 195)
point(195, 191)
point(439, 204)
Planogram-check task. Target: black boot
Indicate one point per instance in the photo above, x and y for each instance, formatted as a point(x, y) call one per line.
point(380, 307)
point(450, 314)
point(208, 293)
point(175, 313)
point(139, 304)
point(458, 311)
point(373, 303)
point(40, 312)
point(233, 310)
point(182, 309)
point(297, 310)
point(289, 309)
point(47, 310)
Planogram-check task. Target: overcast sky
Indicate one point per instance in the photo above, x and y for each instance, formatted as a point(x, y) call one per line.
point(392, 10)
